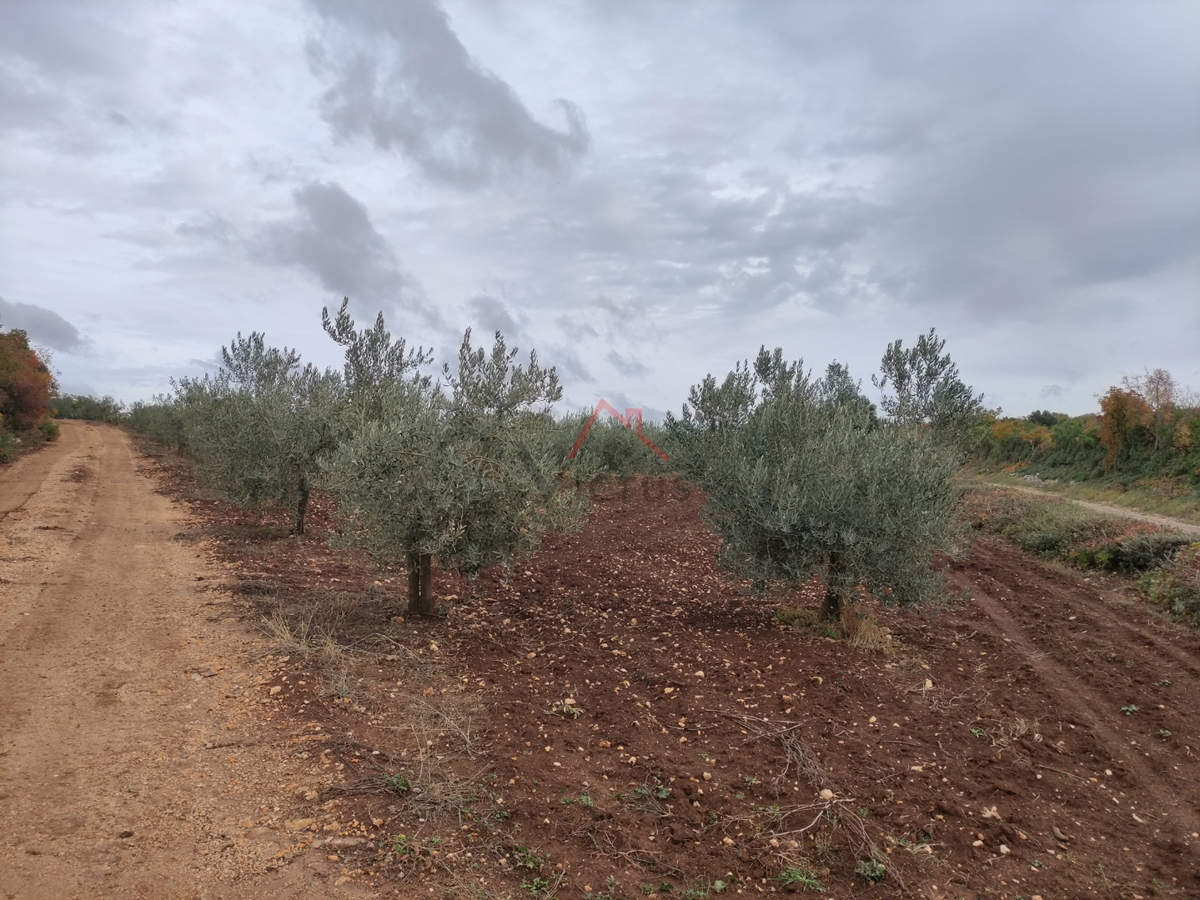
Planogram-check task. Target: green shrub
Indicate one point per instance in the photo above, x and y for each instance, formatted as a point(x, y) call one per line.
point(49, 430)
point(10, 446)
point(161, 421)
point(1175, 586)
point(870, 870)
point(1064, 531)
point(611, 447)
point(1148, 551)
point(80, 406)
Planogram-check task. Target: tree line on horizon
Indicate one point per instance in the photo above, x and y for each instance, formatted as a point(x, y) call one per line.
point(1148, 426)
point(468, 466)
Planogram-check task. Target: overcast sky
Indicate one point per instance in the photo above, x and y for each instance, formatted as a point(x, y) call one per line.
point(642, 191)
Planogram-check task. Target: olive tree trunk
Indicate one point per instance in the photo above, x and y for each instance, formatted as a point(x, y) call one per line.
point(301, 506)
point(831, 606)
point(420, 584)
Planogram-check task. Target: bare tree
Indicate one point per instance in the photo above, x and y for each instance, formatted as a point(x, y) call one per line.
point(1158, 390)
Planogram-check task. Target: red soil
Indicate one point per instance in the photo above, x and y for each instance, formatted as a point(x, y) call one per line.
point(991, 749)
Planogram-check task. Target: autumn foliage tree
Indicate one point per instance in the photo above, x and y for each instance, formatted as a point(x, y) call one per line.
point(1157, 389)
point(26, 383)
point(1122, 413)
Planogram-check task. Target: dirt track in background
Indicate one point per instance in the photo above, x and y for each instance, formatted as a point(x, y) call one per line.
point(134, 758)
point(1107, 509)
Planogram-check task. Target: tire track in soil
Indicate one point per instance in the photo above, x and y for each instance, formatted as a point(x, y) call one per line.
point(1075, 696)
point(1098, 602)
point(25, 477)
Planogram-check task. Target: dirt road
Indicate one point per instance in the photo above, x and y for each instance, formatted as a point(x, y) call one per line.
point(1107, 509)
point(134, 761)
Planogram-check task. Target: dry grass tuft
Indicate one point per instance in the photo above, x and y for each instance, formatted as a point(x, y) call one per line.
point(861, 630)
point(1008, 732)
point(307, 639)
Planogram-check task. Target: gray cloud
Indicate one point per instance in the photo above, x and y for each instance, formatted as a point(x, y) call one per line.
point(209, 226)
point(1023, 149)
point(627, 365)
point(567, 361)
point(400, 75)
point(334, 239)
point(684, 240)
point(75, 37)
point(575, 329)
point(44, 326)
point(24, 103)
point(493, 315)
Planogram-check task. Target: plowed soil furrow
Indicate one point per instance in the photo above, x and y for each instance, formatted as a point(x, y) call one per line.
point(1092, 606)
point(1174, 798)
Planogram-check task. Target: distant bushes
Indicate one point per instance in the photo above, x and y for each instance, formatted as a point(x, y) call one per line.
point(89, 409)
point(10, 446)
point(1067, 532)
point(160, 420)
point(610, 447)
point(1176, 587)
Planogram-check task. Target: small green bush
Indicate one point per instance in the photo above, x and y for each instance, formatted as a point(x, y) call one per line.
point(870, 870)
point(49, 430)
point(1176, 586)
point(1147, 551)
point(161, 420)
point(10, 446)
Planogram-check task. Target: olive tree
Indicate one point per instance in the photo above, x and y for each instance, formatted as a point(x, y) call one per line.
point(454, 471)
point(257, 428)
point(379, 370)
point(921, 387)
point(161, 420)
point(808, 482)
